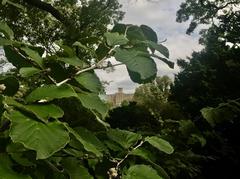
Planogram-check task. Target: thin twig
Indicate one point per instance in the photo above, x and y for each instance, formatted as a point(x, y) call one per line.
point(126, 156)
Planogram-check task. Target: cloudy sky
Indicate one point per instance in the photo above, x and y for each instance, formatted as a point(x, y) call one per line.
point(161, 17)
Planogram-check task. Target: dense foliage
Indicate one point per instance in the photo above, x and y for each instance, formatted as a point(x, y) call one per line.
point(52, 118)
point(54, 124)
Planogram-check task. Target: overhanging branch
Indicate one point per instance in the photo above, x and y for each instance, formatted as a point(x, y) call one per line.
point(48, 8)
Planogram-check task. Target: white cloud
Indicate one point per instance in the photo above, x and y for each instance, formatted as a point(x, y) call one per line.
point(161, 17)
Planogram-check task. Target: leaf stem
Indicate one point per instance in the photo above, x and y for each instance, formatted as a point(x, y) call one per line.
point(126, 156)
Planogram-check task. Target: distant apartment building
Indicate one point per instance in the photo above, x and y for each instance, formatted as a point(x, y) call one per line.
point(117, 98)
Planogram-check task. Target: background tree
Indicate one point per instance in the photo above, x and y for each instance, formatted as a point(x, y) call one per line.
point(208, 78)
point(154, 96)
point(44, 22)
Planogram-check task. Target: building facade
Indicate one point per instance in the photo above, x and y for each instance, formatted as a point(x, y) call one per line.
point(117, 98)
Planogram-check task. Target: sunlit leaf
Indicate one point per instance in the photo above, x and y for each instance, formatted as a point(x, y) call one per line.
point(28, 71)
point(50, 92)
point(115, 39)
point(41, 111)
point(160, 144)
point(141, 172)
point(34, 55)
point(93, 102)
point(89, 144)
point(45, 139)
point(125, 138)
point(6, 30)
point(140, 65)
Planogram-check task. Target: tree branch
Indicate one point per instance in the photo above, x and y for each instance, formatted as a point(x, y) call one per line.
point(48, 8)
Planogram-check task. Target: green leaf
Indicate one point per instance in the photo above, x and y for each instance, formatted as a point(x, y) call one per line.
point(120, 28)
point(4, 2)
point(4, 42)
point(91, 138)
point(89, 144)
point(74, 61)
point(34, 55)
point(11, 85)
point(17, 154)
point(50, 92)
point(75, 169)
point(93, 102)
point(115, 39)
point(143, 153)
point(15, 5)
point(41, 111)
point(6, 30)
point(141, 172)
point(209, 114)
point(149, 157)
point(200, 138)
point(17, 60)
point(160, 144)
point(45, 139)
point(140, 65)
point(149, 33)
point(89, 81)
point(28, 71)
point(135, 34)
point(169, 63)
point(159, 47)
point(80, 45)
point(125, 138)
point(6, 171)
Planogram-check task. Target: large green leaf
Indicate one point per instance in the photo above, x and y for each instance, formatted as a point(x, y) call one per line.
point(41, 111)
point(125, 138)
point(17, 60)
point(89, 136)
point(160, 144)
point(4, 42)
point(135, 34)
point(17, 151)
point(93, 102)
point(75, 169)
point(89, 81)
point(74, 61)
point(169, 63)
point(50, 92)
point(141, 67)
point(141, 172)
point(149, 33)
point(28, 71)
point(115, 39)
point(6, 30)
point(11, 85)
point(6, 171)
point(209, 114)
point(45, 139)
point(159, 47)
point(89, 144)
point(149, 157)
point(34, 55)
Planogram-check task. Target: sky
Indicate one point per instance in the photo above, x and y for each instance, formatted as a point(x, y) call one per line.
point(161, 16)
